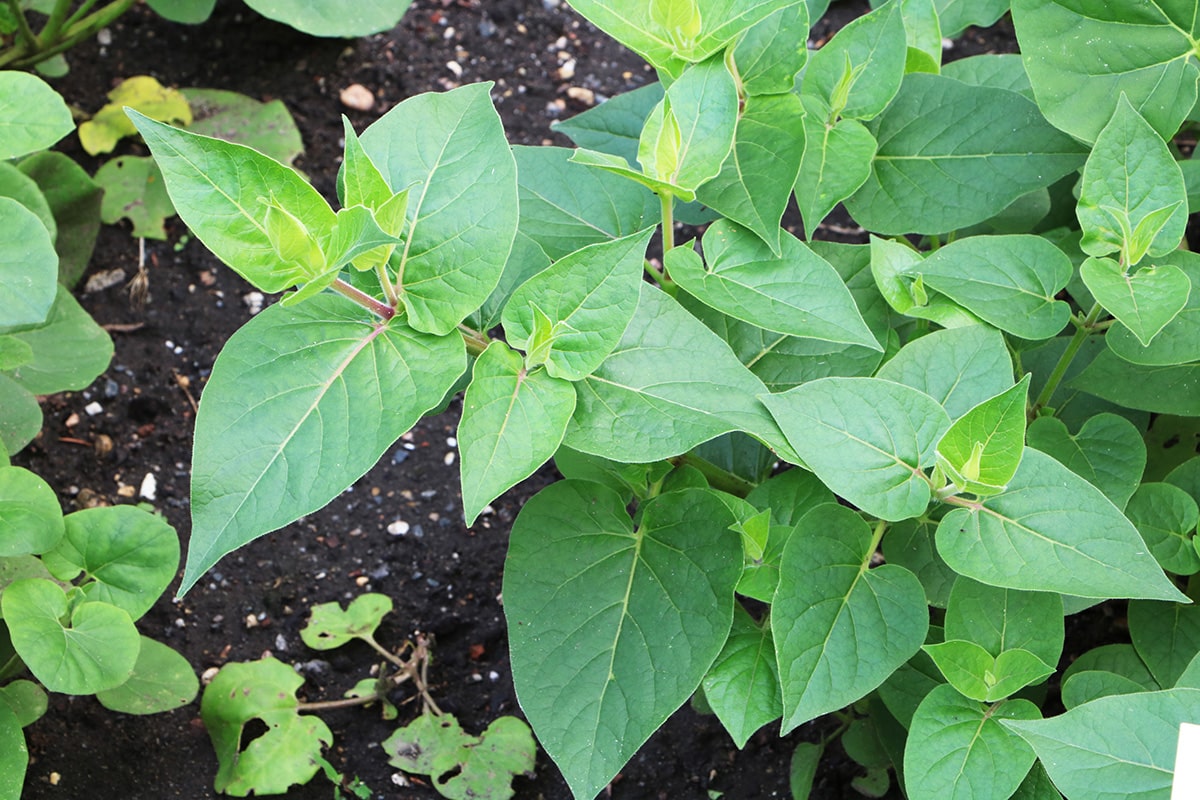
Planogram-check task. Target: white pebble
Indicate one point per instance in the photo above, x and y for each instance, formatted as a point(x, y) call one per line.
point(254, 301)
point(149, 489)
point(448, 459)
point(451, 441)
point(398, 528)
point(93, 408)
point(455, 67)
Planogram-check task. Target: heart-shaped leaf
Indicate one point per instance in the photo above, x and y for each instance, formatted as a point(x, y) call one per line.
point(330, 627)
point(1145, 301)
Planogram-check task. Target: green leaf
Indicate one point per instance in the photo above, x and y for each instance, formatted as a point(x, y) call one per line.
point(867, 439)
point(22, 417)
point(909, 544)
point(589, 296)
point(189, 12)
point(14, 755)
point(1079, 95)
point(359, 182)
point(798, 294)
point(69, 349)
point(905, 688)
point(802, 769)
point(982, 449)
point(951, 155)
point(267, 127)
point(1008, 281)
point(831, 609)
point(772, 51)
point(977, 674)
point(669, 385)
point(215, 186)
point(1166, 517)
point(650, 610)
point(81, 650)
point(462, 766)
point(22, 131)
point(25, 699)
point(703, 106)
point(755, 181)
point(837, 161)
point(637, 27)
point(513, 420)
point(28, 267)
point(1187, 477)
point(31, 521)
point(288, 753)
point(1132, 198)
point(16, 185)
point(896, 268)
point(1113, 748)
point(923, 32)
point(333, 19)
point(615, 125)
point(859, 70)
point(627, 480)
point(1164, 390)
point(273, 434)
point(1119, 659)
point(74, 199)
point(1179, 341)
point(1006, 619)
point(958, 748)
point(1108, 452)
point(128, 556)
point(1051, 531)
point(162, 680)
point(1145, 301)
point(743, 684)
point(134, 189)
point(1166, 636)
point(957, 15)
point(330, 627)
point(617, 165)
point(958, 367)
point(1085, 686)
point(462, 207)
point(565, 206)
point(1000, 71)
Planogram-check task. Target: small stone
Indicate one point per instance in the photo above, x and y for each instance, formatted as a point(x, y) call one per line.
point(55, 778)
point(448, 459)
point(281, 643)
point(149, 489)
point(567, 70)
point(398, 528)
point(251, 621)
point(207, 676)
point(125, 490)
point(103, 280)
point(581, 94)
point(254, 301)
point(361, 581)
point(93, 408)
point(455, 67)
point(103, 445)
point(104, 37)
point(72, 420)
point(357, 97)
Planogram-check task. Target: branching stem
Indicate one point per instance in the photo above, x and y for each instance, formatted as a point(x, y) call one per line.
point(1084, 329)
point(376, 307)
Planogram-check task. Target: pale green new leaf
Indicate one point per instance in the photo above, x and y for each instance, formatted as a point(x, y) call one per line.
point(703, 103)
point(330, 626)
point(615, 125)
point(359, 182)
point(1107, 452)
point(1006, 619)
point(1179, 341)
point(859, 70)
point(951, 155)
point(1166, 517)
point(669, 385)
point(1051, 531)
point(1079, 93)
point(867, 439)
point(742, 687)
point(618, 165)
point(982, 449)
point(1166, 637)
point(1007, 281)
point(755, 181)
point(512, 422)
point(216, 187)
point(565, 206)
point(837, 161)
point(979, 675)
point(958, 367)
point(1131, 177)
point(896, 268)
point(798, 293)
point(1114, 748)
point(273, 436)
point(1145, 301)
point(958, 749)
point(32, 115)
point(840, 627)
point(589, 296)
point(613, 626)
point(28, 267)
point(462, 208)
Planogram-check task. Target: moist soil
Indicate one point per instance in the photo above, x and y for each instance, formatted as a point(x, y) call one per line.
point(443, 578)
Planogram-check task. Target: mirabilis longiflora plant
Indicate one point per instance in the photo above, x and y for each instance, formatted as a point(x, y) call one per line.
point(989, 411)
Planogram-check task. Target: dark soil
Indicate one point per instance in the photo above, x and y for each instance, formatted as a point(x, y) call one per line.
point(444, 578)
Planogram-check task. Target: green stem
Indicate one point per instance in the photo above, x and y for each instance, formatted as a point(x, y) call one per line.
point(668, 222)
point(1064, 362)
point(24, 32)
point(476, 342)
point(720, 479)
point(876, 538)
point(54, 23)
point(83, 9)
point(379, 309)
point(389, 291)
point(45, 47)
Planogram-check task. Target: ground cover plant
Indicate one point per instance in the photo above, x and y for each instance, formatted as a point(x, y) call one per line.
point(1008, 473)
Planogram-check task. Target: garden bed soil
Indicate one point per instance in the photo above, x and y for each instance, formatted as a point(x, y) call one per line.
point(444, 578)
